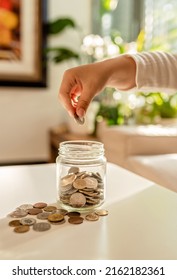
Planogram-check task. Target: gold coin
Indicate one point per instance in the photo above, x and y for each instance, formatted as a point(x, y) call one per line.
point(50, 208)
point(91, 183)
point(55, 217)
point(14, 223)
point(67, 180)
point(21, 229)
point(101, 212)
point(92, 217)
point(75, 220)
point(79, 184)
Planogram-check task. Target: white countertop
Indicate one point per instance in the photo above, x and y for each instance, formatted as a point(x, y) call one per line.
point(142, 220)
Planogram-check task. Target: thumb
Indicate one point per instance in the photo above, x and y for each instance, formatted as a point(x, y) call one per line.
point(83, 104)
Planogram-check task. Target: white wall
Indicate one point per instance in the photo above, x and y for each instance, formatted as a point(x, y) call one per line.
point(26, 115)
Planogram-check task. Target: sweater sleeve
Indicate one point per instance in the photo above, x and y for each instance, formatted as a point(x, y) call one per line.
point(156, 71)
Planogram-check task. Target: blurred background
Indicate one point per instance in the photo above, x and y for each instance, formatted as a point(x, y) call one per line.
point(70, 33)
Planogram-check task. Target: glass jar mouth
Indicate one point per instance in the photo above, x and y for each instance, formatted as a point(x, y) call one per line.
point(81, 149)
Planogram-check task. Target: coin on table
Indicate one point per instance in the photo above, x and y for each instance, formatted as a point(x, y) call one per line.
point(55, 217)
point(101, 212)
point(79, 120)
point(75, 220)
point(40, 205)
point(25, 206)
point(43, 215)
point(19, 213)
point(77, 200)
point(21, 229)
point(73, 214)
point(28, 221)
point(59, 222)
point(41, 226)
point(14, 223)
point(92, 217)
point(50, 208)
point(61, 211)
point(34, 211)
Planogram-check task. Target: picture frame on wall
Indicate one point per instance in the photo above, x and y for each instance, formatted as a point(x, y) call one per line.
point(22, 43)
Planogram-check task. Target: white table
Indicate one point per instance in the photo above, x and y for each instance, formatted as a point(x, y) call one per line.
point(142, 220)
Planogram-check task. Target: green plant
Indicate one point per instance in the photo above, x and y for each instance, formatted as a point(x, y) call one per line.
point(59, 54)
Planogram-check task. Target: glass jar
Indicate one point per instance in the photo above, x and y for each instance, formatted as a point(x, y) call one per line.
point(81, 175)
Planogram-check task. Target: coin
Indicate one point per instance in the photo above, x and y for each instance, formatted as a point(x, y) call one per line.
point(25, 206)
point(73, 169)
point(67, 180)
point(61, 211)
point(21, 229)
point(92, 217)
point(101, 212)
point(19, 213)
point(34, 211)
point(79, 120)
point(73, 214)
point(77, 200)
point(14, 223)
point(28, 221)
point(43, 215)
point(55, 217)
point(41, 226)
point(75, 220)
point(50, 208)
point(40, 205)
point(58, 223)
point(79, 184)
point(91, 183)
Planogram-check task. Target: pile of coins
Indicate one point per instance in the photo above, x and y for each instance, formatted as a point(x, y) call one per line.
point(81, 189)
point(50, 215)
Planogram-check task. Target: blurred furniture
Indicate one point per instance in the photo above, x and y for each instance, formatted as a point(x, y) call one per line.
point(141, 223)
point(150, 151)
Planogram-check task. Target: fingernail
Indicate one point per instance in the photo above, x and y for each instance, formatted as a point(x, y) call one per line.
point(80, 112)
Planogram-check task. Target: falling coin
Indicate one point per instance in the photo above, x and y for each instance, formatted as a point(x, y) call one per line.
point(75, 220)
point(21, 229)
point(78, 119)
point(41, 226)
point(73, 169)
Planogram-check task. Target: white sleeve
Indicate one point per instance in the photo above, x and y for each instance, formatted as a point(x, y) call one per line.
point(156, 71)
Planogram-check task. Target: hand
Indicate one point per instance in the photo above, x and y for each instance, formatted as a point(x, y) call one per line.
point(80, 84)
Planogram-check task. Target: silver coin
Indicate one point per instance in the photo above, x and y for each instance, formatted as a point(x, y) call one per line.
point(78, 119)
point(19, 213)
point(28, 221)
point(41, 226)
point(92, 217)
point(25, 207)
point(73, 169)
point(43, 215)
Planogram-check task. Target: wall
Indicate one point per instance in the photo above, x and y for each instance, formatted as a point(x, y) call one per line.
point(26, 115)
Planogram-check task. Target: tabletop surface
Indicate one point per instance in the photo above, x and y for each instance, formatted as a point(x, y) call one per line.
point(141, 224)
